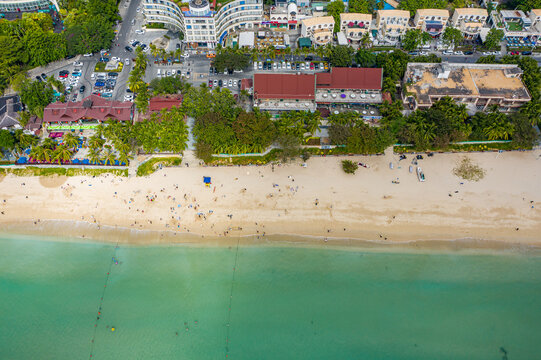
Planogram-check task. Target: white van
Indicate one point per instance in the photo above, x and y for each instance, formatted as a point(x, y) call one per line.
point(159, 72)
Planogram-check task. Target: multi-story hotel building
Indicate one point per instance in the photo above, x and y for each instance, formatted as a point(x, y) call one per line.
point(355, 25)
point(391, 25)
point(432, 21)
point(470, 21)
point(201, 25)
point(318, 29)
point(26, 5)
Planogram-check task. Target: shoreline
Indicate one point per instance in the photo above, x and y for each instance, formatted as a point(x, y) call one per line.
point(49, 231)
point(314, 202)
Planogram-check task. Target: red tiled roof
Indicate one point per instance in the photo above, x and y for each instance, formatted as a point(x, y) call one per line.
point(351, 78)
point(284, 86)
point(246, 84)
point(91, 107)
point(164, 102)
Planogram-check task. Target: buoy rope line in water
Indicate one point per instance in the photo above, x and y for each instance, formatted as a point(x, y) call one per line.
point(98, 317)
point(231, 300)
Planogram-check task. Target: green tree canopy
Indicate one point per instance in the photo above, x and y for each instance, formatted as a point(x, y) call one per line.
point(334, 9)
point(414, 39)
point(452, 36)
point(493, 39)
point(341, 56)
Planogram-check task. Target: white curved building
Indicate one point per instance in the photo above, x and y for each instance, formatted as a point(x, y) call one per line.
point(200, 24)
point(26, 5)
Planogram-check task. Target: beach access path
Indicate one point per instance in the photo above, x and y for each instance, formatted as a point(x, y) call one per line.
point(320, 201)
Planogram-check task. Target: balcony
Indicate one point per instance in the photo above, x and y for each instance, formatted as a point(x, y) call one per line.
point(285, 105)
point(348, 97)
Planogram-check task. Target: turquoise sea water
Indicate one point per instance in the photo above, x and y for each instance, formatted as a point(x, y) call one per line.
point(279, 303)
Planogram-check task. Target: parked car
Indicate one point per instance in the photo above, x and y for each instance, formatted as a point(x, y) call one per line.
point(447, 52)
point(127, 62)
point(38, 78)
point(89, 54)
point(43, 76)
point(514, 52)
point(104, 59)
point(215, 82)
point(468, 52)
point(99, 84)
point(139, 31)
point(82, 89)
point(526, 53)
point(230, 83)
point(235, 83)
point(63, 73)
point(128, 49)
point(112, 74)
point(135, 43)
point(177, 46)
point(74, 97)
point(75, 74)
point(106, 95)
point(459, 52)
point(77, 63)
point(220, 83)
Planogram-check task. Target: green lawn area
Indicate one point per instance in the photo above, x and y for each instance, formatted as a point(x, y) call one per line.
point(153, 164)
point(514, 26)
point(100, 67)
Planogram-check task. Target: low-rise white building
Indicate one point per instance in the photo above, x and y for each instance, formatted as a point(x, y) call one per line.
point(318, 29)
point(518, 28)
point(432, 21)
point(391, 25)
point(469, 21)
point(355, 25)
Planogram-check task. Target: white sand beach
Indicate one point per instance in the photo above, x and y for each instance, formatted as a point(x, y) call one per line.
point(319, 201)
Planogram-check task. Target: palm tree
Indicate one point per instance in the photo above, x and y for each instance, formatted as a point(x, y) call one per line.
point(499, 129)
point(312, 121)
point(38, 153)
point(48, 143)
point(94, 156)
point(62, 154)
point(124, 157)
point(70, 140)
point(153, 50)
point(95, 142)
point(109, 158)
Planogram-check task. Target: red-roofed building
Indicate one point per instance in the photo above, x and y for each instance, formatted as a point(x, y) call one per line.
point(285, 91)
point(349, 85)
point(91, 108)
point(159, 103)
point(247, 84)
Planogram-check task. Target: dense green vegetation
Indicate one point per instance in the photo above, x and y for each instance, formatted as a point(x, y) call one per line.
point(447, 122)
point(229, 59)
point(15, 142)
point(349, 166)
point(168, 85)
point(150, 166)
point(136, 82)
point(31, 42)
point(350, 130)
point(50, 171)
point(414, 39)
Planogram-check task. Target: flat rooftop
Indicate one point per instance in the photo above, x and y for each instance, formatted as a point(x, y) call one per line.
point(465, 80)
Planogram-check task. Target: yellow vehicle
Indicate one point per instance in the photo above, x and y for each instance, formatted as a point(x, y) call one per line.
point(211, 55)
